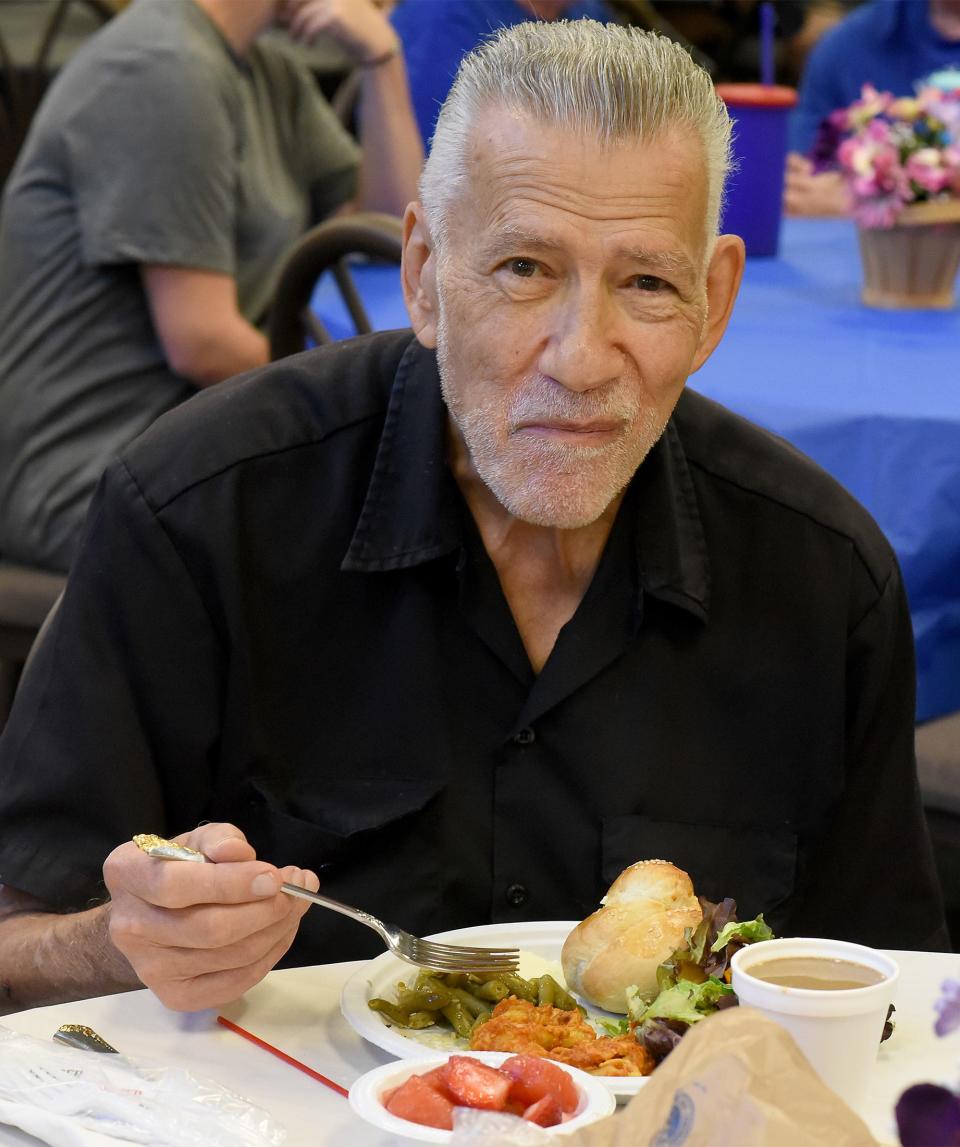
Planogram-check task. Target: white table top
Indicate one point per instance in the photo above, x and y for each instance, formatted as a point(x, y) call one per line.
point(298, 1011)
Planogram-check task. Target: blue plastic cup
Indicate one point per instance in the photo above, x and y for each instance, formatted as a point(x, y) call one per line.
point(754, 201)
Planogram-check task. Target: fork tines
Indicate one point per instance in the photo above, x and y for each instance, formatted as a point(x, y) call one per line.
point(456, 958)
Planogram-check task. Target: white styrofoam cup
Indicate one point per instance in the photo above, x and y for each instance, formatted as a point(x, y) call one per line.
point(837, 1030)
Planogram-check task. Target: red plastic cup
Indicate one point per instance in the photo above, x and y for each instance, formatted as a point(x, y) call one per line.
point(754, 199)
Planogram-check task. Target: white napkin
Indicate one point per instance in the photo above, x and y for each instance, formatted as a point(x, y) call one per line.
point(73, 1098)
point(55, 1130)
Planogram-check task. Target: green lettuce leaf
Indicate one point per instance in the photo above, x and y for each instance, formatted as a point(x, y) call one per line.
point(747, 932)
point(685, 1001)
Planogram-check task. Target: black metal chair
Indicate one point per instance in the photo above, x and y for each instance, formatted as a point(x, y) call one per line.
point(330, 246)
point(27, 598)
point(25, 76)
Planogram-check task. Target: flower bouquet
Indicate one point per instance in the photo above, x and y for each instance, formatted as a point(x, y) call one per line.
point(900, 160)
point(928, 1113)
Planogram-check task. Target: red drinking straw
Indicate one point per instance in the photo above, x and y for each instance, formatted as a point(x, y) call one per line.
point(282, 1055)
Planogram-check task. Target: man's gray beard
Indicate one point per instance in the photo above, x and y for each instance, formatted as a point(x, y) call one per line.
point(540, 480)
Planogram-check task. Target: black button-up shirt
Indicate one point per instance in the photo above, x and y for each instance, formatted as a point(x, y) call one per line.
point(283, 616)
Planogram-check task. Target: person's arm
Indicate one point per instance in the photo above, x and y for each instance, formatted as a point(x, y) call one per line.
point(392, 150)
point(204, 337)
point(813, 194)
point(48, 958)
point(197, 935)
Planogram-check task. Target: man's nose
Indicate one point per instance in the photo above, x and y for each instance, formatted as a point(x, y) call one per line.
point(583, 350)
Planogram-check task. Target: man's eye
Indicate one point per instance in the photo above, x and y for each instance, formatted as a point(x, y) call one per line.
point(650, 283)
point(523, 268)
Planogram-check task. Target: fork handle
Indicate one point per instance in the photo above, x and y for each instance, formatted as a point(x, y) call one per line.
point(335, 905)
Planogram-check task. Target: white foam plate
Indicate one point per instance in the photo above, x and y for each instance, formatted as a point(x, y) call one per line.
point(540, 938)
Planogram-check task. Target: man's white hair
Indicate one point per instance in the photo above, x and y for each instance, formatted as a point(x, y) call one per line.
point(613, 83)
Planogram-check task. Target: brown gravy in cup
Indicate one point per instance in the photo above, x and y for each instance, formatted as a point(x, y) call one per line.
point(824, 973)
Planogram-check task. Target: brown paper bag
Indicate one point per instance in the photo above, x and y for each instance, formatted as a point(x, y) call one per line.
point(735, 1080)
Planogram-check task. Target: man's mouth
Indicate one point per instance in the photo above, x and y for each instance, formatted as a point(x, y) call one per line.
point(586, 432)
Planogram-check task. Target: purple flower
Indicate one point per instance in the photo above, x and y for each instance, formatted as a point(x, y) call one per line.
point(928, 1116)
point(948, 1008)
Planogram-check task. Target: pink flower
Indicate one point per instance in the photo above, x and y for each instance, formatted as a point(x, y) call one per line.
point(925, 169)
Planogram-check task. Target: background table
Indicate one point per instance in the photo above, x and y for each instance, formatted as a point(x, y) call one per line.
point(873, 396)
point(298, 1011)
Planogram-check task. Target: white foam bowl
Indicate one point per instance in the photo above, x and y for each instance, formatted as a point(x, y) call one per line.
point(596, 1099)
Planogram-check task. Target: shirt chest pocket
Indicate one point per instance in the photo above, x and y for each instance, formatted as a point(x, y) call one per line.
point(757, 866)
point(346, 821)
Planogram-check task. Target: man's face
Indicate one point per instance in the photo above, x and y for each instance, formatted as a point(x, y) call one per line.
point(570, 303)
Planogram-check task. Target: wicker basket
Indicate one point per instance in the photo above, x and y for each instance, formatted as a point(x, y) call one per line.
point(913, 265)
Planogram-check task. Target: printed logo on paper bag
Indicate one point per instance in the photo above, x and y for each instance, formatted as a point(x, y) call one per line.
point(679, 1122)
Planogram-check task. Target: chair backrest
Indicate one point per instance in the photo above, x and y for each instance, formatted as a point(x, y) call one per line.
point(25, 74)
point(329, 246)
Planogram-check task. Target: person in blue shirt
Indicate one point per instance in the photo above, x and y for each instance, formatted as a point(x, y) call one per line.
point(891, 44)
point(437, 34)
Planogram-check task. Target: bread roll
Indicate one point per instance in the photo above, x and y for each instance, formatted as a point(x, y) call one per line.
point(642, 923)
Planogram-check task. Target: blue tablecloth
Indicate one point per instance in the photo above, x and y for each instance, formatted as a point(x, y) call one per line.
point(873, 396)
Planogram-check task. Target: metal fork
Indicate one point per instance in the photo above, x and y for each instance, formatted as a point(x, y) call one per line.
point(413, 949)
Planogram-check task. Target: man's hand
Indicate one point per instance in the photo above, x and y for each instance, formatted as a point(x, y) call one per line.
point(200, 935)
point(357, 25)
point(808, 193)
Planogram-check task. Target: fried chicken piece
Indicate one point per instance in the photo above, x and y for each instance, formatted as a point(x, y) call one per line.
point(522, 1027)
point(530, 1029)
point(607, 1055)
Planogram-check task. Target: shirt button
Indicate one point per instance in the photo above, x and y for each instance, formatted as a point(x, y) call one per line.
point(524, 737)
point(516, 894)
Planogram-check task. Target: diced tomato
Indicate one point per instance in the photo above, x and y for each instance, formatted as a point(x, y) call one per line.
point(437, 1078)
point(475, 1084)
point(546, 1112)
point(421, 1103)
point(534, 1077)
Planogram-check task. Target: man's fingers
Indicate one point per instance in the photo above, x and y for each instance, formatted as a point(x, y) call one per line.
point(180, 884)
point(218, 842)
point(214, 989)
point(160, 960)
point(304, 878)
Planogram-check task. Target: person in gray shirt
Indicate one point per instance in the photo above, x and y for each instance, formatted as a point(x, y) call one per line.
point(172, 164)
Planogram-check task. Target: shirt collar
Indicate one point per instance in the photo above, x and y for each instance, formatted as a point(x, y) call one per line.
point(411, 513)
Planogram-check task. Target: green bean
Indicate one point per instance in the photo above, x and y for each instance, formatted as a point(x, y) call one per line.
point(473, 1006)
point(422, 999)
point(561, 997)
point(495, 990)
point(396, 1015)
point(456, 1015)
point(431, 982)
point(519, 987)
point(545, 986)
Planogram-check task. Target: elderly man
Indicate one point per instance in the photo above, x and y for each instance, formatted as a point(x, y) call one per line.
point(465, 622)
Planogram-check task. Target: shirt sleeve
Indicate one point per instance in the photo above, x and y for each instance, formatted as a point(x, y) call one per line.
point(153, 166)
point(328, 154)
point(115, 725)
point(821, 90)
point(886, 896)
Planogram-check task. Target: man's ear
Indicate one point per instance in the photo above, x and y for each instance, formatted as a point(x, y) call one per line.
point(723, 282)
point(418, 272)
